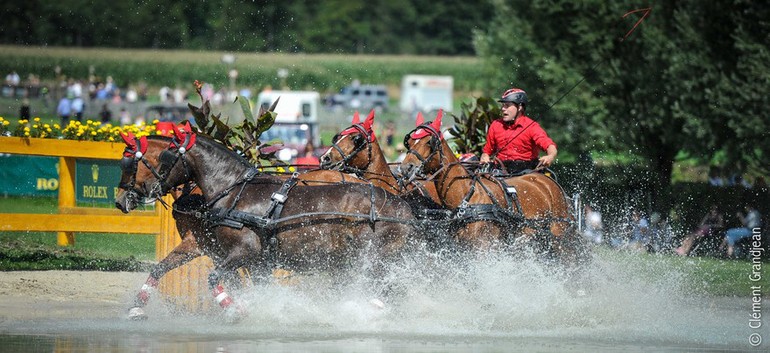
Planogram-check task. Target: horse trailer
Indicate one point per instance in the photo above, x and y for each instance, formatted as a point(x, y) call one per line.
point(423, 93)
point(296, 122)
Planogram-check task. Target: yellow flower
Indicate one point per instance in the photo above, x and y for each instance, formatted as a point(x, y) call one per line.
point(93, 133)
point(34, 126)
point(155, 122)
point(56, 126)
point(36, 119)
point(281, 170)
point(6, 122)
point(292, 169)
point(26, 129)
point(111, 139)
point(26, 133)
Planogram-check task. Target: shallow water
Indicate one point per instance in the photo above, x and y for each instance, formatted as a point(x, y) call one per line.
point(494, 304)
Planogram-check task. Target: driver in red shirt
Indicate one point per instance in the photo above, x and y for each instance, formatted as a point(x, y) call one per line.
point(516, 139)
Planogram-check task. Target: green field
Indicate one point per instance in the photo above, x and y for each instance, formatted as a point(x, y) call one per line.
point(156, 68)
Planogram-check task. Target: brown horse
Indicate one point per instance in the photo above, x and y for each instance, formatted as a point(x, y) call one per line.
point(196, 241)
point(258, 221)
point(356, 150)
point(530, 209)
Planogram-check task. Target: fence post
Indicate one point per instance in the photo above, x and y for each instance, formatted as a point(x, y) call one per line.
point(66, 196)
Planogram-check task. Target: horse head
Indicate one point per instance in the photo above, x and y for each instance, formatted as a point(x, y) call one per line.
point(425, 151)
point(351, 149)
point(151, 167)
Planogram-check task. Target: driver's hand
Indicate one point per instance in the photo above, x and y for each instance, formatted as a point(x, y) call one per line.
point(545, 161)
point(484, 158)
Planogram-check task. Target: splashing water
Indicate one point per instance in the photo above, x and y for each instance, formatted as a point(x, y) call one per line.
point(443, 302)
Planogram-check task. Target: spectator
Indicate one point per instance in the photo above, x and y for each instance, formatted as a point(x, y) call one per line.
point(24, 111)
point(640, 231)
point(661, 233)
point(64, 110)
point(125, 117)
point(308, 160)
point(78, 106)
point(105, 114)
point(13, 79)
point(751, 220)
point(131, 96)
point(710, 224)
point(594, 229)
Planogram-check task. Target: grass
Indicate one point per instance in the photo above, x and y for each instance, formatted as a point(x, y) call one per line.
point(700, 275)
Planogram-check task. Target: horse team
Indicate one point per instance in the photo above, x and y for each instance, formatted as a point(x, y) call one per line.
point(354, 208)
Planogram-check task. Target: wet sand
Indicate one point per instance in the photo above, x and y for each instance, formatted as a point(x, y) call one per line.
point(66, 294)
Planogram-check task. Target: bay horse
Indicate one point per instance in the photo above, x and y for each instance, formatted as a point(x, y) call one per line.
point(259, 221)
point(529, 209)
point(356, 151)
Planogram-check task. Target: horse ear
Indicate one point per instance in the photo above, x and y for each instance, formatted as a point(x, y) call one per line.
point(420, 120)
point(369, 121)
point(177, 134)
point(437, 123)
point(187, 127)
point(129, 139)
point(356, 118)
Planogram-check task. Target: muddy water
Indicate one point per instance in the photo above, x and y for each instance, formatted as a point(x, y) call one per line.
point(494, 304)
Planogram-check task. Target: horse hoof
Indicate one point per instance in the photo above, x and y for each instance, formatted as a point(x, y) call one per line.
point(137, 314)
point(234, 314)
point(377, 303)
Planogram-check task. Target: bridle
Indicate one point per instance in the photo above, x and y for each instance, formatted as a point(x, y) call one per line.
point(167, 159)
point(435, 148)
point(360, 141)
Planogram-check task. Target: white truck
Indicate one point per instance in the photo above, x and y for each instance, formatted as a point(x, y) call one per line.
point(426, 93)
point(296, 122)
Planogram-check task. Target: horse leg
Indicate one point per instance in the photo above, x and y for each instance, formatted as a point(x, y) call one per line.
point(180, 255)
point(237, 258)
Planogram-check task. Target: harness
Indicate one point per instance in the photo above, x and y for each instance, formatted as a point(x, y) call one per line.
point(509, 216)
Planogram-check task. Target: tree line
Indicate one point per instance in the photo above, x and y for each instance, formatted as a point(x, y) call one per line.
point(286, 26)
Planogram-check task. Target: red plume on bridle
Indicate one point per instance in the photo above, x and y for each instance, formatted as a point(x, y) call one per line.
point(358, 126)
point(435, 125)
point(184, 137)
point(368, 123)
point(132, 150)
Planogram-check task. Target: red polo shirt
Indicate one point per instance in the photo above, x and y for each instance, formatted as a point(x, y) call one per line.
point(525, 146)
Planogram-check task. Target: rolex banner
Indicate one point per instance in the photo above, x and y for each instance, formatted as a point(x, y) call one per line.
point(96, 180)
point(22, 175)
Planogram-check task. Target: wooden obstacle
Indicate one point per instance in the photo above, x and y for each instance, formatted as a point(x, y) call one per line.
point(185, 286)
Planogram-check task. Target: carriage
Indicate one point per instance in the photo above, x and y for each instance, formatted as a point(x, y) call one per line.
point(244, 218)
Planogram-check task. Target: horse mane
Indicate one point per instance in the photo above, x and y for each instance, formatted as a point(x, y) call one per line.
point(212, 145)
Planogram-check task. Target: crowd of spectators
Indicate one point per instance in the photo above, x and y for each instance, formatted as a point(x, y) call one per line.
point(637, 231)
